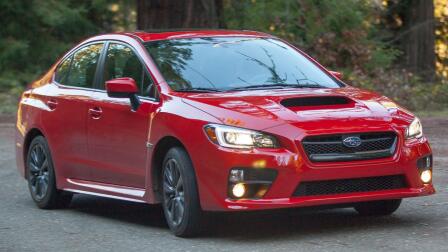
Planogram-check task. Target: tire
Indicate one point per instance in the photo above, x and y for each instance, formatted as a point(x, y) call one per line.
point(41, 177)
point(180, 199)
point(378, 208)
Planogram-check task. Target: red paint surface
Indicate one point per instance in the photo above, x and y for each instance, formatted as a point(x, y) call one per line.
point(122, 85)
point(99, 145)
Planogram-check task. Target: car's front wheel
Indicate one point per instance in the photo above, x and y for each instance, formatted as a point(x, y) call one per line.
point(378, 208)
point(41, 177)
point(180, 194)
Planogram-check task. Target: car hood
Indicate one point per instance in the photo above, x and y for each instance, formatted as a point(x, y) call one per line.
point(307, 108)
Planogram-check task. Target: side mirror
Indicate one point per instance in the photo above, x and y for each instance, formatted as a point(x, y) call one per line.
point(338, 75)
point(124, 88)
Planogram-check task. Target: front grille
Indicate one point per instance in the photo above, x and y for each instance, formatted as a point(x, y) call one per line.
point(350, 185)
point(331, 148)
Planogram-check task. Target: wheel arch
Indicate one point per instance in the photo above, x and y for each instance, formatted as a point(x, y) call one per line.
point(32, 133)
point(160, 150)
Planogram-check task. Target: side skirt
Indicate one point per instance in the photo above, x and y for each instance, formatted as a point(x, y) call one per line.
point(105, 190)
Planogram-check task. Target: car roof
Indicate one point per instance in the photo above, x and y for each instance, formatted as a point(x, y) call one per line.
point(145, 36)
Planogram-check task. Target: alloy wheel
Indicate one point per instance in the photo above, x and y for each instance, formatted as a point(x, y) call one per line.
point(173, 190)
point(38, 172)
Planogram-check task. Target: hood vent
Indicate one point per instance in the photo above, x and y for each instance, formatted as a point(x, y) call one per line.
point(316, 101)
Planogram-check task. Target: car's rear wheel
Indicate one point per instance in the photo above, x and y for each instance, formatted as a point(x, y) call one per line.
point(378, 208)
point(41, 177)
point(180, 194)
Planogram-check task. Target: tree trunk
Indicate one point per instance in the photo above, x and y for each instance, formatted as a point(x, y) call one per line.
point(163, 14)
point(419, 38)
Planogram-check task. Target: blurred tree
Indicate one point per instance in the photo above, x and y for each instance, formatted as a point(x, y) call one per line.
point(441, 15)
point(344, 37)
point(35, 32)
point(419, 38)
point(362, 38)
point(413, 25)
point(163, 14)
point(369, 40)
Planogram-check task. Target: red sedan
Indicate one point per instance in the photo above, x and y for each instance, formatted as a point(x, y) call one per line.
point(214, 121)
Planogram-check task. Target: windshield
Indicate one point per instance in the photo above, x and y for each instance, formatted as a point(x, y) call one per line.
point(234, 63)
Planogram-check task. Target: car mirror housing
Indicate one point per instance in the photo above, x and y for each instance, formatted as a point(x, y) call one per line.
point(338, 75)
point(124, 88)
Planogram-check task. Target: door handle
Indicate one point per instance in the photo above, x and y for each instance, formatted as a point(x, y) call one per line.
point(95, 112)
point(52, 104)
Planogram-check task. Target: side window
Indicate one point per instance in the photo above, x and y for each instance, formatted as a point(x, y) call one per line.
point(83, 66)
point(120, 62)
point(62, 71)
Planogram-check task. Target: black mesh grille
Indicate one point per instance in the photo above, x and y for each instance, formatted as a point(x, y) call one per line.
point(350, 185)
point(381, 142)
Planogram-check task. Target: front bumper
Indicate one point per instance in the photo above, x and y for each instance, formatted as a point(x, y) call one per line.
point(293, 167)
point(327, 199)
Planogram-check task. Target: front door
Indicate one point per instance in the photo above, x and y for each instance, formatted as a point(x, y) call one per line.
point(116, 135)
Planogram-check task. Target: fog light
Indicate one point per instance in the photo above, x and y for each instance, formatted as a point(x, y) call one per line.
point(426, 176)
point(239, 190)
point(250, 183)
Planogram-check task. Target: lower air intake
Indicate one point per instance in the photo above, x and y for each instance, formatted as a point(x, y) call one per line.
point(340, 186)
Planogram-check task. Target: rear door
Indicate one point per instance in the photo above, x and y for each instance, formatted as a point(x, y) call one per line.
point(66, 120)
point(117, 136)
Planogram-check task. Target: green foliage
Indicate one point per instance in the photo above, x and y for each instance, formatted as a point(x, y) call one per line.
point(35, 33)
point(32, 34)
point(337, 33)
point(344, 36)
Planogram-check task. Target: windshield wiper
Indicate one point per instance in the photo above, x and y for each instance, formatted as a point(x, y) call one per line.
point(270, 86)
point(199, 90)
point(310, 85)
point(274, 86)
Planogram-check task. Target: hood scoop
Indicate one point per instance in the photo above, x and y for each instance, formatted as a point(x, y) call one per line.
point(317, 102)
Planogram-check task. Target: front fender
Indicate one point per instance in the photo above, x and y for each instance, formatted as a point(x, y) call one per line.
point(184, 123)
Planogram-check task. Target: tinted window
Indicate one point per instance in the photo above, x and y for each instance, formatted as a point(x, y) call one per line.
point(234, 62)
point(62, 71)
point(121, 61)
point(83, 66)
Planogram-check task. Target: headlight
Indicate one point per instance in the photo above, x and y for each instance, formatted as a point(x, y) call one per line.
point(415, 129)
point(233, 137)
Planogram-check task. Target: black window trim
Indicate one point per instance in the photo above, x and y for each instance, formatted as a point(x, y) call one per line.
point(71, 53)
point(100, 65)
point(102, 61)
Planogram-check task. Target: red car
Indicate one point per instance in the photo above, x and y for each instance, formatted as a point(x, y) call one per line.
point(214, 120)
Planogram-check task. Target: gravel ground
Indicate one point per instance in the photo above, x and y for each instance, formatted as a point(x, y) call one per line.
point(99, 224)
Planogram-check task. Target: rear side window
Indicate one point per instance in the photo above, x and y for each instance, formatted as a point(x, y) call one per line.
point(82, 67)
point(121, 61)
point(62, 71)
